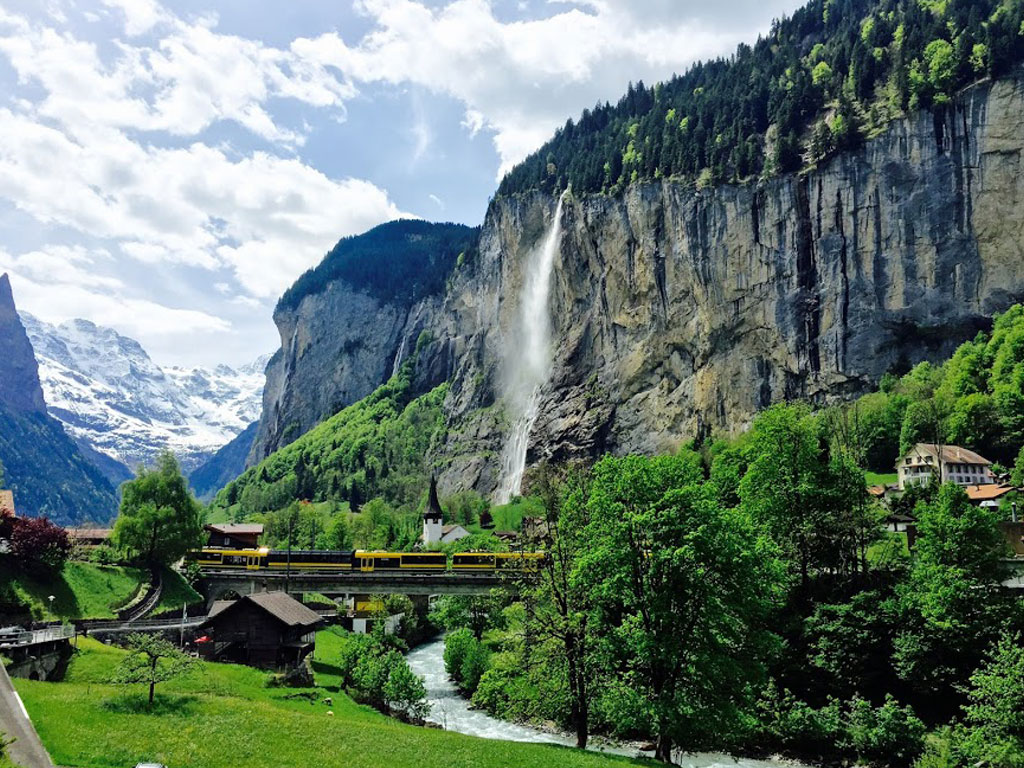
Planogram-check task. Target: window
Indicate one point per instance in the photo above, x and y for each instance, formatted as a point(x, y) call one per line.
point(908, 460)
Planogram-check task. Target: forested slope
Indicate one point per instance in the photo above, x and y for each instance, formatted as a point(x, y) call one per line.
point(819, 82)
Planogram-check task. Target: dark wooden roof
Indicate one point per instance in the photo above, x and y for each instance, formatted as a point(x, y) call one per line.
point(281, 606)
point(238, 529)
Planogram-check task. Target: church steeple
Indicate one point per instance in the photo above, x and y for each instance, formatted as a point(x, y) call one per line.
point(433, 516)
point(434, 510)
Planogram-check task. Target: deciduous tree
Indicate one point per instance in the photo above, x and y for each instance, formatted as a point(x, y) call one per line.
point(151, 660)
point(159, 520)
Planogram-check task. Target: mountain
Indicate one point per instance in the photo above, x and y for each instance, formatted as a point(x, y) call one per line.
point(665, 305)
point(224, 466)
point(376, 284)
point(43, 466)
point(112, 398)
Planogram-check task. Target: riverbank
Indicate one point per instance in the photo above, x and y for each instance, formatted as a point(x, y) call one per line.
point(451, 711)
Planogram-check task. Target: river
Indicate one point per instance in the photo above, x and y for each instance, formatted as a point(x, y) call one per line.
point(452, 712)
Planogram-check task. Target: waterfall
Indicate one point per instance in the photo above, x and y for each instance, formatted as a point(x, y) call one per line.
point(528, 359)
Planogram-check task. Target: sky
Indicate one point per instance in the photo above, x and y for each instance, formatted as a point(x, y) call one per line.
point(168, 169)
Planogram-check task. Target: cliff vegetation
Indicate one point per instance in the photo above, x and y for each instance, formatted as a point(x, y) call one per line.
point(819, 82)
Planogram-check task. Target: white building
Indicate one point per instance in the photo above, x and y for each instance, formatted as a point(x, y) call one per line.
point(433, 517)
point(958, 465)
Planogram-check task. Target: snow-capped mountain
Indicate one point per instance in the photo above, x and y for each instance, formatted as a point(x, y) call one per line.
point(111, 396)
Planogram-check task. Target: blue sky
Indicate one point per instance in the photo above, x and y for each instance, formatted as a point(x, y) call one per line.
point(168, 169)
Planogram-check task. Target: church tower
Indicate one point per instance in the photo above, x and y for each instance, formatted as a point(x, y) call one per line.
point(432, 517)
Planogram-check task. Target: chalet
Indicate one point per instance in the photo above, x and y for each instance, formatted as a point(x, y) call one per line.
point(948, 463)
point(267, 629)
point(7, 504)
point(234, 535)
point(989, 494)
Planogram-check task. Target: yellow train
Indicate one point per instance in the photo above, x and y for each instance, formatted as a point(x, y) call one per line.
point(360, 560)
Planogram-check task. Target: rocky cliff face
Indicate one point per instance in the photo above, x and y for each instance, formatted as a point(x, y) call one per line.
point(20, 389)
point(680, 313)
point(44, 468)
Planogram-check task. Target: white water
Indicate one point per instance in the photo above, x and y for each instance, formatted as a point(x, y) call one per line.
point(528, 359)
point(452, 712)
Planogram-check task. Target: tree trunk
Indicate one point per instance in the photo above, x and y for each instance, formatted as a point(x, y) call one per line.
point(152, 679)
point(663, 748)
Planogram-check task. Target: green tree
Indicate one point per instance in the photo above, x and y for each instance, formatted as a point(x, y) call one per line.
point(159, 519)
point(684, 588)
point(478, 613)
point(404, 692)
point(151, 660)
point(560, 602)
point(951, 605)
point(995, 709)
point(339, 533)
point(940, 60)
point(811, 501)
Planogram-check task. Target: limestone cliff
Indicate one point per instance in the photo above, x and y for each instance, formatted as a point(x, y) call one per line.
point(680, 312)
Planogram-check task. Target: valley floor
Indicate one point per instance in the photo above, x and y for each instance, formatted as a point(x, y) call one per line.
point(225, 716)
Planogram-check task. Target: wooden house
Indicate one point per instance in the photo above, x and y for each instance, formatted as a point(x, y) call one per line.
point(234, 535)
point(267, 629)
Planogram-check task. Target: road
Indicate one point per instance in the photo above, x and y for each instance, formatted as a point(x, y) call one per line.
point(27, 751)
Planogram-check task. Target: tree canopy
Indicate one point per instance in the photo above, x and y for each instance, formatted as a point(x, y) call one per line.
point(816, 83)
point(159, 519)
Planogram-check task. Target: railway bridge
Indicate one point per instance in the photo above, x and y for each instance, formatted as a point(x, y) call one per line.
point(219, 583)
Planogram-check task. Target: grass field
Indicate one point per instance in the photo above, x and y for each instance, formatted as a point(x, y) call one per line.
point(881, 478)
point(176, 592)
point(224, 717)
point(82, 591)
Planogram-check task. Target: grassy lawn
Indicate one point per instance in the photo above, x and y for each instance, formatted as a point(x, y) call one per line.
point(224, 717)
point(881, 478)
point(81, 591)
point(176, 592)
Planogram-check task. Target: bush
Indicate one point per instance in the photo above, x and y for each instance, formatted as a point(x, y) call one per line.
point(473, 667)
point(105, 554)
point(466, 659)
point(889, 735)
point(39, 546)
point(456, 648)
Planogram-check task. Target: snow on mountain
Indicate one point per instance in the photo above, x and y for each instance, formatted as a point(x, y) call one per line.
point(109, 394)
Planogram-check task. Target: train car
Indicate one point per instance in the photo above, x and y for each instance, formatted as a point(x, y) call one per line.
point(216, 557)
point(491, 561)
point(398, 561)
point(310, 560)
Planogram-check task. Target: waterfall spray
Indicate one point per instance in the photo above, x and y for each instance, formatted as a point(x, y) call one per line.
point(528, 359)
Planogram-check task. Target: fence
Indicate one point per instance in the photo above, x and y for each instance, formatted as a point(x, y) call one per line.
point(36, 636)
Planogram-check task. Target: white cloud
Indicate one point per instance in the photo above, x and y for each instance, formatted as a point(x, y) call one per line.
point(68, 160)
point(522, 79)
point(38, 276)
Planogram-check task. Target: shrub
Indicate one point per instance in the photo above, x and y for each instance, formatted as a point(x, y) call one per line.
point(890, 734)
point(456, 648)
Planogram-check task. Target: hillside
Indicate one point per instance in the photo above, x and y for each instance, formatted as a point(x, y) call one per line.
point(208, 719)
point(377, 447)
point(43, 466)
point(224, 466)
point(819, 82)
point(348, 324)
